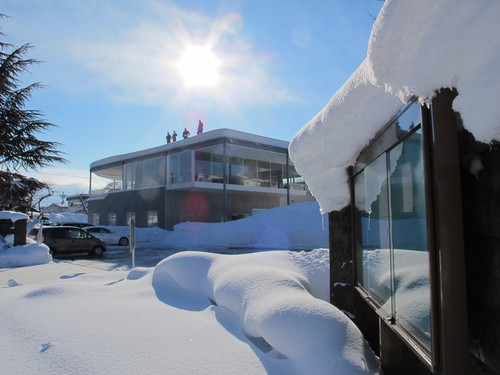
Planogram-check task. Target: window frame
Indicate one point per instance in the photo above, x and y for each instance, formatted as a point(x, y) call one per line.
point(383, 143)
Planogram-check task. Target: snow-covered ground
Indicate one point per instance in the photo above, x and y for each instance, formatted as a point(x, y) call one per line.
point(196, 312)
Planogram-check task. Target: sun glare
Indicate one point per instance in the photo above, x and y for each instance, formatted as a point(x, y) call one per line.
point(198, 66)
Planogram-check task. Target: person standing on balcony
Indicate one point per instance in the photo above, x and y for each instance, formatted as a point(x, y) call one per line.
point(186, 133)
point(174, 136)
point(169, 137)
point(200, 127)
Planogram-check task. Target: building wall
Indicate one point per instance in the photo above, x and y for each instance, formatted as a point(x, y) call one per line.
point(206, 206)
point(481, 206)
point(176, 206)
point(138, 201)
point(480, 197)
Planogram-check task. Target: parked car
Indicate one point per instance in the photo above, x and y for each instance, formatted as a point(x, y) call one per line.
point(79, 225)
point(108, 236)
point(61, 239)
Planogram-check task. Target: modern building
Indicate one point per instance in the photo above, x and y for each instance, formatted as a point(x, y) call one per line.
point(409, 171)
point(216, 176)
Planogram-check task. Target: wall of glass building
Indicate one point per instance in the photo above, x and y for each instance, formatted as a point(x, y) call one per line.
point(217, 163)
point(145, 173)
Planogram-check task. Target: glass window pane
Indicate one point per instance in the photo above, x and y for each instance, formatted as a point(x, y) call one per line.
point(202, 166)
point(255, 167)
point(209, 164)
point(373, 253)
point(236, 170)
point(111, 218)
point(152, 218)
point(148, 172)
point(159, 171)
point(409, 236)
point(218, 167)
point(277, 175)
point(263, 173)
point(179, 167)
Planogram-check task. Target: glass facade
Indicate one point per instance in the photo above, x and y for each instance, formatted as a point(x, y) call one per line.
point(218, 163)
point(209, 164)
point(144, 173)
point(392, 253)
point(102, 185)
point(179, 167)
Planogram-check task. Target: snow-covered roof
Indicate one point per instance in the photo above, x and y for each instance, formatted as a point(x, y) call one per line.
point(416, 48)
point(191, 141)
point(13, 216)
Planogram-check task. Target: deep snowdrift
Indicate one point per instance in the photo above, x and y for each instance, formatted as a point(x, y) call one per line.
point(195, 313)
point(299, 226)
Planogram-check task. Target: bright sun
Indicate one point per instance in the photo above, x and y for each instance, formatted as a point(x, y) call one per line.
point(199, 66)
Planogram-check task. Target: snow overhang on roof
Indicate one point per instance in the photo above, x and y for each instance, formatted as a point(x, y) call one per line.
point(415, 49)
point(186, 143)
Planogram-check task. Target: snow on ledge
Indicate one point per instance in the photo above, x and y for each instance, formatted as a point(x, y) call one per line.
point(13, 216)
point(416, 48)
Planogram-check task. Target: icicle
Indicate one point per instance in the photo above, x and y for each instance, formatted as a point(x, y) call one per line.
point(323, 221)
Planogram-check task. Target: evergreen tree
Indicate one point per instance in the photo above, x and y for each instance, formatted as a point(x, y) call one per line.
point(20, 147)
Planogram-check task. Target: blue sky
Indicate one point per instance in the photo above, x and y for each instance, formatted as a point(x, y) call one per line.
point(112, 84)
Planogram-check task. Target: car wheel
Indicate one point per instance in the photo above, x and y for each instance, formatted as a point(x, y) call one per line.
point(123, 241)
point(98, 251)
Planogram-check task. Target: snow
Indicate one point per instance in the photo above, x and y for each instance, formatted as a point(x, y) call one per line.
point(416, 48)
point(411, 285)
point(13, 216)
point(196, 312)
point(263, 312)
point(67, 217)
point(298, 226)
point(23, 255)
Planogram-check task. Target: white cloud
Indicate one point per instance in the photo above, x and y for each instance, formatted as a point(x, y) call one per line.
point(61, 179)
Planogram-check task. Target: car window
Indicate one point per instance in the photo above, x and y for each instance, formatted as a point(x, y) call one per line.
point(58, 234)
point(84, 234)
point(74, 233)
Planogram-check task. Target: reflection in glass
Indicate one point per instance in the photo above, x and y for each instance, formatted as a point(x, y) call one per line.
point(209, 164)
point(392, 255)
point(179, 167)
point(254, 167)
point(372, 205)
point(411, 259)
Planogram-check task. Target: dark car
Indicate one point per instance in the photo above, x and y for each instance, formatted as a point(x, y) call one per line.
point(61, 239)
